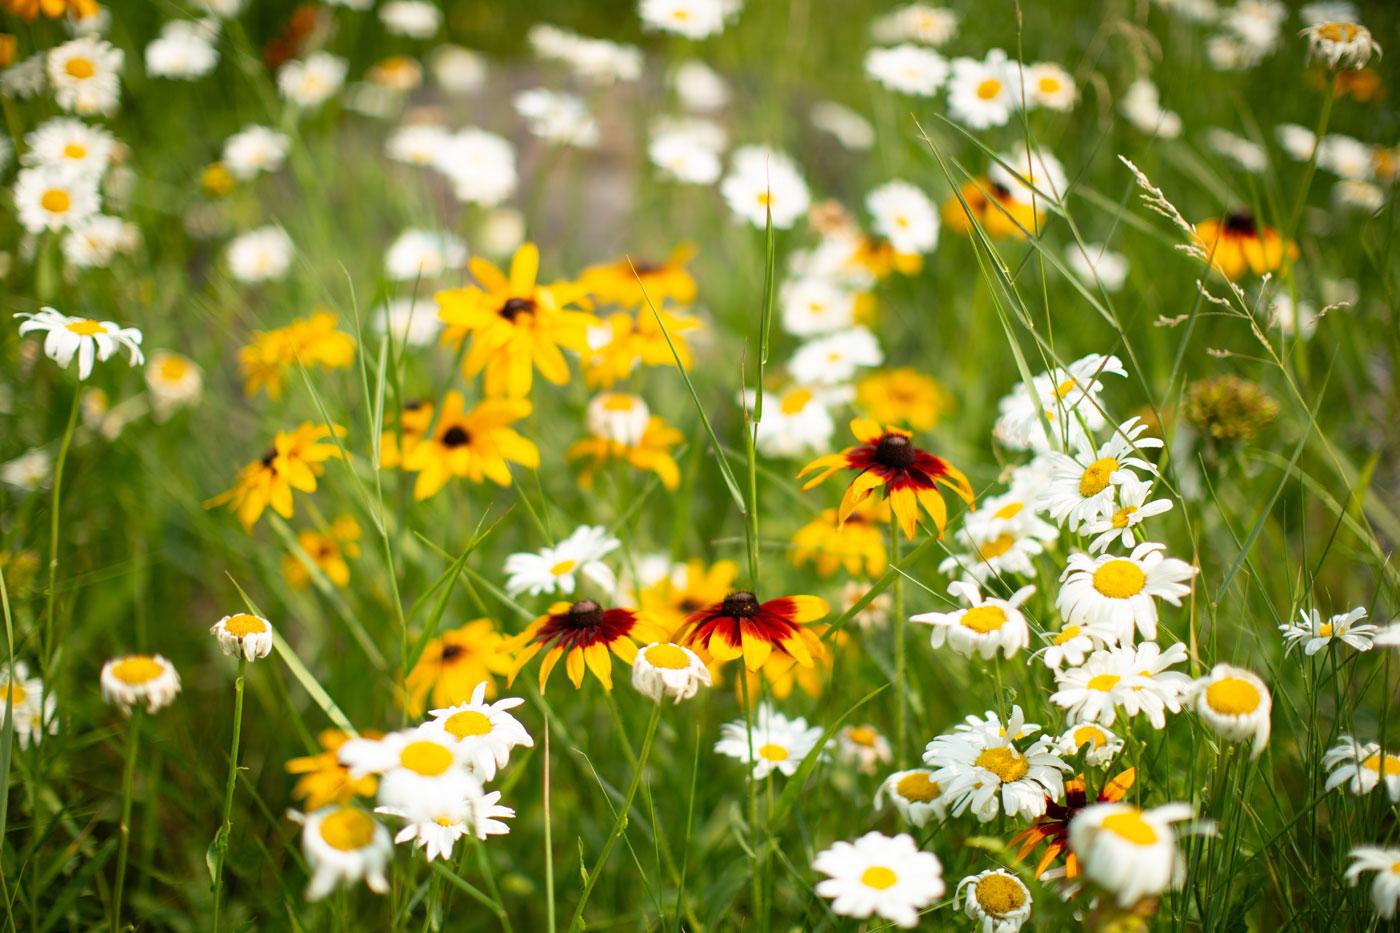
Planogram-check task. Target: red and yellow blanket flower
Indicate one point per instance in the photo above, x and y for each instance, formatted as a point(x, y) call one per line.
point(1237, 244)
point(1054, 825)
point(740, 626)
point(582, 634)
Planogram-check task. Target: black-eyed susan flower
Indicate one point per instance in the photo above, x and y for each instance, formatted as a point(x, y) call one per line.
point(688, 588)
point(857, 544)
point(243, 634)
point(293, 462)
point(992, 207)
point(516, 324)
point(1238, 243)
point(323, 779)
point(1053, 825)
point(312, 341)
point(651, 452)
point(582, 634)
point(902, 396)
point(887, 457)
point(137, 678)
point(328, 550)
point(473, 444)
point(622, 341)
point(740, 626)
point(783, 674)
point(452, 666)
point(623, 282)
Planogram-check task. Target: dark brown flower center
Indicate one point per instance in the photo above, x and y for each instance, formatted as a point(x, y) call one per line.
point(270, 456)
point(514, 307)
point(741, 605)
point(414, 404)
point(895, 451)
point(451, 652)
point(585, 614)
point(456, 436)
point(1241, 222)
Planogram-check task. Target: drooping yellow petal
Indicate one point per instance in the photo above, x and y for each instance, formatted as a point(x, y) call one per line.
point(856, 492)
point(600, 663)
point(937, 508)
point(906, 509)
point(756, 650)
point(547, 665)
point(574, 666)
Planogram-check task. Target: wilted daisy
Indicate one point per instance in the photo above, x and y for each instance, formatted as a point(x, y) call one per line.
point(137, 678)
point(54, 196)
point(996, 899)
point(1067, 400)
point(1385, 890)
point(779, 743)
point(485, 731)
point(245, 634)
point(183, 51)
point(1101, 744)
point(260, 255)
point(1314, 634)
point(1340, 45)
point(981, 767)
point(905, 216)
point(981, 93)
point(1235, 703)
point(424, 254)
point(1137, 680)
point(253, 150)
point(86, 75)
point(908, 69)
point(1362, 768)
point(480, 165)
point(880, 875)
point(1128, 851)
point(309, 83)
point(32, 709)
point(342, 845)
point(694, 19)
point(662, 670)
point(915, 794)
point(554, 568)
point(763, 180)
point(85, 338)
point(984, 627)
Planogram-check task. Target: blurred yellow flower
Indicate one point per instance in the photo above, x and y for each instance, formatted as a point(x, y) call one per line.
point(858, 545)
point(327, 550)
point(622, 282)
point(902, 396)
point(293, 462)
point(314, 341)
point(474, 444)
point(999, 216)
point(621, 342)
point(879, 258)
point(651, 453)
point(324, 780)
point(516, 325)
point(53, 9)
point(1238, 244)
point(216, 180)
point(416, 417)
point(452, 666)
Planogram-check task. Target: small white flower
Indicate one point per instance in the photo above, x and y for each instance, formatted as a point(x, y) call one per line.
point(183, 51)
point(618, 417)
point(905, 216)
point(1141, 104)
point(1130, 852)
point(915, 794)
point(908, 69)
point(797, 419)
point(1048, 85)
point(412, 322)
point(485, 731)
point(1347, 157)
point(816, 305)
point(70, 142)
point(779, 743)
point(917, 22)
point(54, 196)
point(416, 144)
point(667, 670)
point(699, 87)
point(1341, 45)
point(311, 82)
point(1296, 141)
point(343, 845)
point(558, 118)
point(245, 634)
point(89, 340)
point(32, 708)
point(554, 568)
point(29, 471)
point(1083, 486)
point(93, 243)
point(694, 19)
point(1236, 704)
point(1068, 404)
point(1314, 634)
point(836, 357)
point(174, 382)
point(761, 181)
point(1102, 745)
point(984, 627)
point(1097, 263)
point(1135, 680)
point(135, 678)
point(998, 900)
point(416, 19)
point(863, 747)
point(850, 128)
point(1046, 177)
point(255, 149)
point(1237, 149)
point(86, 75)
point(1385, 890)
point(981, 93)
point(425, 255)
point(685, 157)
point(260, 255)
point(1133, 509)
point(457, 70)
point(480, 165)
point(880, 875)
point(1070, 645)
point(1362, 768)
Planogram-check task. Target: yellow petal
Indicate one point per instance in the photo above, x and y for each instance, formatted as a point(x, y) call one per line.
point(866, 430)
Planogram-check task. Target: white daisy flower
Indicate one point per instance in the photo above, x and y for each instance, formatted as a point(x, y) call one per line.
point(135, 678)
point(1236, 704)
point(998, 540)
point(422, 769)
point(29, 471)
point(245, 634)
point(1041, 169)
point(816, 305)
point(416, 19)
point(984, 627)
point(618, 417)
point(1346, 156)
point(559, 118)
point(437, 831)
point(54, 196)
point(70, 142)
point(1137, 680)
point(907, 69)
point(996, 899)
point(694, 19)
point(863, 747)
point(424, 254)
point(1358, 195)
point(93, 243)
point(1082, 487)
point(1070, 645)
point(1141, 104)
point(184, 50)
point(25, 78)
point(413, 322)
point(1048, 85)
point(916, 796)
point(343, 845)
point(311, 82)
point(1296, 141)
point(86, 75)
point(485, 731)
point(1385, 890)
point(253, 150)
point(779, 743)
point(851, 129)
point(1128, 851)
point(699, 87)
point(1238, 150)
point(1329, 11)
point(87, 339)
point(260, 255)
point(917, 22)
point(663, 670)
point(173, 381)
point(32, 709)
point(835, 358)
point(1069, 404)
point(904, 215)
point(981, 94)
point(685, 157)
point(457, 70)
point(1133, 509)
point(1314, 634)
point(762, 180)
point(1389, 636)
point(797, 420)
point(554, 568)
point(416, 144)
point(480, 165)
point(1102, 744)
point(880, 875)
point(981, 767)
point(1362, 768)
point(1097, 263)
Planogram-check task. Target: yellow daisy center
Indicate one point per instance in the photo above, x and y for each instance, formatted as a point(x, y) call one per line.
point(12, 693)
point(244, 624)
point(1103, 682)
point(1231, 696)
point(1121, 517)
point(863, 736)
point(347, 829)
point(916, 786)
point(86, 328)
point(74, 151)
point(1004, 763)
point(984, 619)
point(80, 68)
point(618, 403)
point(1049, 85)
point(878, 877)
point(1385, 765)
point(444, 821)
point(999, 895)
point(997, 546)
point(1010, 510)
point(426, 758)
point(773, 753)
point(1119, 579)
point(1089, 734)
point(794, 402)
point(670, 657)
point(173, 368)
point(989, 89)
point(468, 722)
point(765, 199)
point(1130, 826)
point(561, 568)
point(1097, 477)
point(1066, 633)
point(55, 201)
point(1337, 32)
point(137, 670)
point(1325, 630)
point(1065, 388)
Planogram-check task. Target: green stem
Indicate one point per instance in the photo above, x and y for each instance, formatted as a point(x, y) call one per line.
point(575, 922)
point(53, 532)
point(1311, 168)
point(133, 735)
point(221, 839)
point(752, 785)
point(901, 727)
